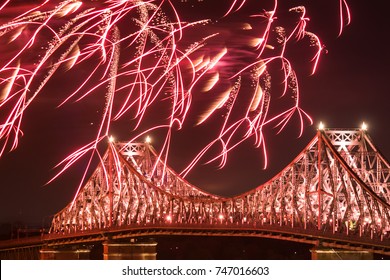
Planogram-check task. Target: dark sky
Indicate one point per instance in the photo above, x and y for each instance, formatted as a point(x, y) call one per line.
point(349, 87)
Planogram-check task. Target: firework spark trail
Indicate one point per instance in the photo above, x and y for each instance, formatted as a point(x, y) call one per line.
point(259, 120)
point(160, 65)
point(344, 20)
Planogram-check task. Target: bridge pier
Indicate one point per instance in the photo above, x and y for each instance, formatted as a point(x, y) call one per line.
point(74, 253)
point(325, 253)
point(133, 250)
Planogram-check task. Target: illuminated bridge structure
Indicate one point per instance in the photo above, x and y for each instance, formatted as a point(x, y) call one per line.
point(335, 193)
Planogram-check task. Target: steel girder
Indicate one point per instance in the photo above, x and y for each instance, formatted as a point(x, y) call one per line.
point(337, 186)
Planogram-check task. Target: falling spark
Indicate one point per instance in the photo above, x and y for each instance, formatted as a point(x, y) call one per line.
point(149, 46)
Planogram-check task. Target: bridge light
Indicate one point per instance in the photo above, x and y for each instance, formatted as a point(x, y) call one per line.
point(321, 126)
point(364, 126)
point(111, 139)
point(148, 140)
point(221, 217)
point(169, 218)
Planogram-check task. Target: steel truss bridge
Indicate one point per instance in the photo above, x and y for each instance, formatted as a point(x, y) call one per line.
point(335, 193)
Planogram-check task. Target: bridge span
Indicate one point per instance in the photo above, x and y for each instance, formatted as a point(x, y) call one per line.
point(334, 194)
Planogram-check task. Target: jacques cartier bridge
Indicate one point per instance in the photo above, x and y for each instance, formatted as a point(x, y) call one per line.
point(334, 194)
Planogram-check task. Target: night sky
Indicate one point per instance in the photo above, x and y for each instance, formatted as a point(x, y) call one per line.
point(349, 87)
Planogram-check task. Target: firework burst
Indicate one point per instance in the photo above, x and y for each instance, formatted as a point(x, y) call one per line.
point(143, 55)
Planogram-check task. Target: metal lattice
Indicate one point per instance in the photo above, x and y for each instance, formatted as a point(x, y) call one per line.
point(338, 186)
